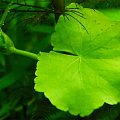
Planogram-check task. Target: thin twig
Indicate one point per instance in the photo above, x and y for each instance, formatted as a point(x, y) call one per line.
point(27, 5)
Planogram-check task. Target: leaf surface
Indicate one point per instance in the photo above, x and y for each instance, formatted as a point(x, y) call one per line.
point(87, 77)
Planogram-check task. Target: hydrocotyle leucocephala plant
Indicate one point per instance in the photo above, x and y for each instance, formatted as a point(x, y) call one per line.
point(82, 72)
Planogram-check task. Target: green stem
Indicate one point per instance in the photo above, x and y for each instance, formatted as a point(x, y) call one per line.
point(5, 15)
point(24, 53)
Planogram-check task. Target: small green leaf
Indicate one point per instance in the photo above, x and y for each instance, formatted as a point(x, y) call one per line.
point(5, 42)
point(90, 76)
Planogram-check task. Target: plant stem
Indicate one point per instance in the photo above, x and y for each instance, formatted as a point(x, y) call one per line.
point(5, 15)
point(23, 53)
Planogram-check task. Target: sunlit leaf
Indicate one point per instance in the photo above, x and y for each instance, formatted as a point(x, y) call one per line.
point(89, 75)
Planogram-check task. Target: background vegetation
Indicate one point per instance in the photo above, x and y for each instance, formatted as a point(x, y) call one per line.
point(31, 31)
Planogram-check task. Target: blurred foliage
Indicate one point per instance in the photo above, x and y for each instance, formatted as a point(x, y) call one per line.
point(31, 31)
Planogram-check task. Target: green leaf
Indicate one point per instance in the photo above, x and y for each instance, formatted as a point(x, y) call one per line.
point(87, 77)
point(5, 42)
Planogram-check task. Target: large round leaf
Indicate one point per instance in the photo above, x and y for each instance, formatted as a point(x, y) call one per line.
point(89, 75)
